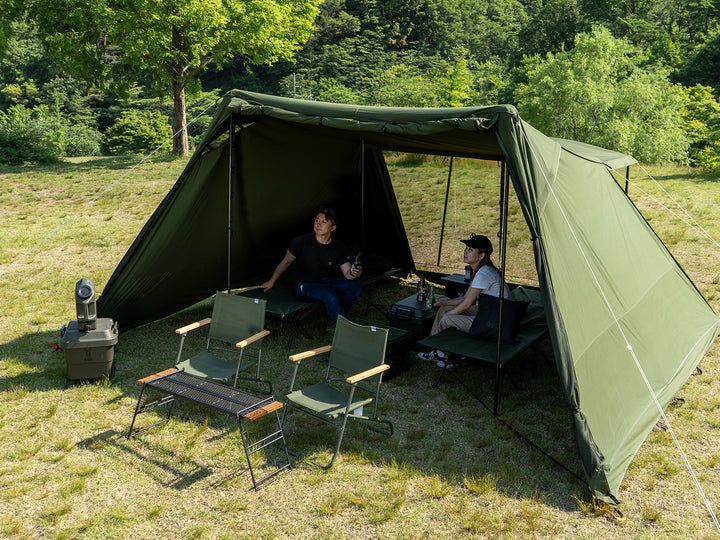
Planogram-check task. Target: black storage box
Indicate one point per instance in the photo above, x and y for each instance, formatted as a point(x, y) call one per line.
point(411, 315)
point(89, 354)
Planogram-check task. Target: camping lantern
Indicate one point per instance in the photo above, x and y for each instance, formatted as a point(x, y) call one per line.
point(88, 342)
point(85, 304)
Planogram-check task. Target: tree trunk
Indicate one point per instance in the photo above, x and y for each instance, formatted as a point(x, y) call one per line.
point(179, 120)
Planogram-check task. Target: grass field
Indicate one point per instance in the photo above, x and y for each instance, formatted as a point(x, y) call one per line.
point(450, 470)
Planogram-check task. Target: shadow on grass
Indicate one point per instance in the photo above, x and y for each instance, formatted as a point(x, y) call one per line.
point(443, 431)
point(696, 176)
point(176, 476)
point(113, 163)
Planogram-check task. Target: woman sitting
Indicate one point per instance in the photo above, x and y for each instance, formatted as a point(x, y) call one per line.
point(484, 279)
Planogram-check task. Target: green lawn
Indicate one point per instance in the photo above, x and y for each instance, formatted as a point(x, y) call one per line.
point(450, 470)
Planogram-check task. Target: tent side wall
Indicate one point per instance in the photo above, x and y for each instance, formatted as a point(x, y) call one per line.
point(180, 250)
point(610, 286)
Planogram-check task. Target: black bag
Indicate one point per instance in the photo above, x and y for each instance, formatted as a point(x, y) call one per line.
point(485, 325)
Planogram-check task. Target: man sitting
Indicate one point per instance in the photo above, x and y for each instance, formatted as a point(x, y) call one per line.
point(323, 270)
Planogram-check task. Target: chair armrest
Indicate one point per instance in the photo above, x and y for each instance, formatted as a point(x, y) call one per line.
point(308, 354)
point(193, 326)
point(252, 339)
point(352, 379)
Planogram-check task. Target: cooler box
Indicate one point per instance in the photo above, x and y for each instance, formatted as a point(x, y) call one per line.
point(89, 354)
point(411, 315)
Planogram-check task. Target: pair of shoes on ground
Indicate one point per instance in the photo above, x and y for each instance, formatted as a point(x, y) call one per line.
point(439, 357)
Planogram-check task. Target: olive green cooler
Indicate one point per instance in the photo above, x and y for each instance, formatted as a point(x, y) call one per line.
point(89, 354)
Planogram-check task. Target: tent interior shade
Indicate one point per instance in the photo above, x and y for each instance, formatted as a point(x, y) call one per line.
point(608, 281)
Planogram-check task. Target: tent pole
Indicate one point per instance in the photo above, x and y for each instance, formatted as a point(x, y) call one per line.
point(362, 196)
point(447, 195)
point(231, 171)
point(505, 191)
point(627, 179)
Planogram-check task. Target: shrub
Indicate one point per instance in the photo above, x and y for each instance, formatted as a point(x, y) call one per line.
point(137, 132)
point(82, 140)
point(29, 136)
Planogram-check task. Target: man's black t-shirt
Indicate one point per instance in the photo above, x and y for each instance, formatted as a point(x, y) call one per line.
point(315, 261)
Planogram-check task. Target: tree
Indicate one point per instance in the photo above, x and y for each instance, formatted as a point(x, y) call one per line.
point(702, 67)
point(12, 11)
point(598, 93)
point(455, 85)
point(550, 26)
point(111, 43)
point(702, 124)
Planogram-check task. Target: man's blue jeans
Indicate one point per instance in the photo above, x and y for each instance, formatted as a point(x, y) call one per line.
point(337, 293)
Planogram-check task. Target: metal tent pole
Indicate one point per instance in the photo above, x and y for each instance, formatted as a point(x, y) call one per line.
point(447, 195)
point(362, 196)
point(231, 174)
point(505, 191)
point(627, 179)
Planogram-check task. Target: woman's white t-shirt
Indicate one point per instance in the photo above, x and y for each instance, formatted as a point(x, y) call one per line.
point(488, 280)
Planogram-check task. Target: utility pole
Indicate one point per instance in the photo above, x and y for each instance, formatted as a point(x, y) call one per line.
point(294, 89)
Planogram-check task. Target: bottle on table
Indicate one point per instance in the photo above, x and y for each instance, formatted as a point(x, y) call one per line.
point(431, 299)
point(421, 291)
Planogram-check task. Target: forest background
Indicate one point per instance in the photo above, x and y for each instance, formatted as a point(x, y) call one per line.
point(636, 76)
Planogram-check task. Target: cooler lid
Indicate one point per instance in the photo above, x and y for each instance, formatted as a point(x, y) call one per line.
point(105, 333)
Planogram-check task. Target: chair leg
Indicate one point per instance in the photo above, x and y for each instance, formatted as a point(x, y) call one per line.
point(376, 429)
point(341, 429)
point(442, 372)
point(258, 380)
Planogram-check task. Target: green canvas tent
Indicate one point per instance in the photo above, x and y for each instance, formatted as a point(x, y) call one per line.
point(623, 316)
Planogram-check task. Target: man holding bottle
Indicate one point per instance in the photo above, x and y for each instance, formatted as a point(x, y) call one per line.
point(323, 269)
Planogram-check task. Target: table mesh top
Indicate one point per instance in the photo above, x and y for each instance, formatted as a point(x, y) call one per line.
point(206, 392)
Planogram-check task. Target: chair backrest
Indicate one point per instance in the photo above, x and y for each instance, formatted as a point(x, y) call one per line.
point(356, 348)
point(235, 318)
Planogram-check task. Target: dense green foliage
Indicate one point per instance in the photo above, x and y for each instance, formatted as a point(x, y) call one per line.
point(136, 131)
point(596, 93)
point(623, 74)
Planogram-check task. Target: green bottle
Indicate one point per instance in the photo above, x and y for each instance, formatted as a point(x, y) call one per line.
point(357, 262)
point(431, 299)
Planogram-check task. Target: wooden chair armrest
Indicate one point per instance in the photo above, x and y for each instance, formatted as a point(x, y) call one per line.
point(193, 326)
point(352, 379)
point(252, 339)
point(312, 352)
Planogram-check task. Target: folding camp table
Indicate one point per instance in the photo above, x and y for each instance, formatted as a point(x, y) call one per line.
point(232, 401)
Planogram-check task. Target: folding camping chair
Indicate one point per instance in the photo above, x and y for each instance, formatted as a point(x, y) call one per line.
point(357, 355)
point(236, 322)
